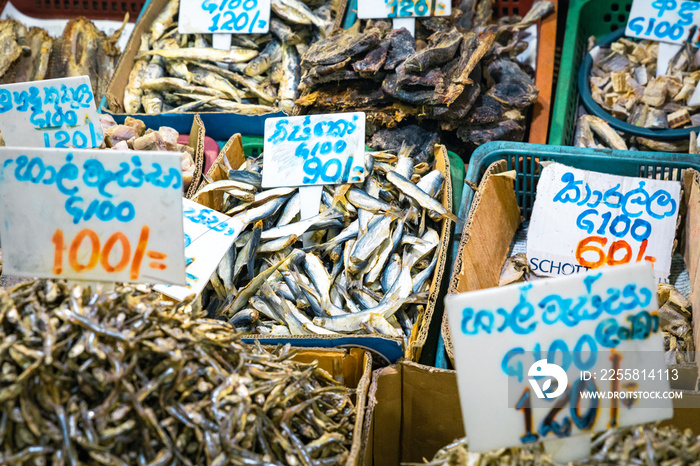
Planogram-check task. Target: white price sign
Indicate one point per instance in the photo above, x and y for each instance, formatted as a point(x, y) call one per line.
point(314, 150)
point(53, 113)
point(208, 236)
point(224, 16)
point(559, 358)
point(92, 215)
point(377, 9)
point(664, 20)
point(585, 220)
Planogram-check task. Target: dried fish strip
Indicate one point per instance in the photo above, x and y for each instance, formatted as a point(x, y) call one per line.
point(121, 377)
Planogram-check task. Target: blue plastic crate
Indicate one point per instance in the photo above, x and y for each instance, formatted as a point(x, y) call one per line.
point(524, 159)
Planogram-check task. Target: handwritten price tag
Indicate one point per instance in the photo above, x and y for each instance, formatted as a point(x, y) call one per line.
point(92, 215)
point(53, 113)
point(376, 9)
point(208, 236)
point(224, 16)
point(314, 150)
point(585, 220)
point(664, 20)
point(566, 357)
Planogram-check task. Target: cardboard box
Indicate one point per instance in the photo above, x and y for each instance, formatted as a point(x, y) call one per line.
point(221, 124)
point(353, 367)
point(413, 411)
point(492, 222)
point(386, 348)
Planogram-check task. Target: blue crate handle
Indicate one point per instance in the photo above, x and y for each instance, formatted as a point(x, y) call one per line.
point(593, 107)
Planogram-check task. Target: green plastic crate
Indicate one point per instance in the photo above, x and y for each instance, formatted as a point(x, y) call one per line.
point(586, 18)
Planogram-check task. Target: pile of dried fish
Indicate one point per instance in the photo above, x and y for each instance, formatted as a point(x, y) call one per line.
point(133, 135)
point(623, 82)
point(644, 444)
point(121, 378)
point(30, 54)
point(373, 256)
point(458, 75)
point(596, 133)
point(179, 73)
point(675, 315)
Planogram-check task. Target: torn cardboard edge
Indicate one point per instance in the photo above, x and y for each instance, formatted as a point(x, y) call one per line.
point(196, 142)
point(387, 347)
point(492, 221)
point(397, 397)
point(494, 217)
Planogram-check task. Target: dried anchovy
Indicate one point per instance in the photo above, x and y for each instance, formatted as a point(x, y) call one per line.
point(120, 377)
point(458, 77)
point(639, 445)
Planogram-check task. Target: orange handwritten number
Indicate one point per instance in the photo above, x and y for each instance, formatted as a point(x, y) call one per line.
point(583, 247)
point(75, 246)
point(616, 246)
point(126, 253)
point(57, 240)
point(140, 251)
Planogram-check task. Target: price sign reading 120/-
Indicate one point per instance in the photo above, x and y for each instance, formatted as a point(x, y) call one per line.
point(92, 215)
point(375, 9)
point(664, 20)
point(52, 113)
point(314, 150)
point(224, 16)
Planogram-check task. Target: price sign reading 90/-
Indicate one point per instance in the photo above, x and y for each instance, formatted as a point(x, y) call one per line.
point(314, 150)
point(673, 21)
point(224, 16)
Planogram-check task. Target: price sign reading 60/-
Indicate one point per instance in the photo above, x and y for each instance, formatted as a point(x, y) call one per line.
point(92, 215)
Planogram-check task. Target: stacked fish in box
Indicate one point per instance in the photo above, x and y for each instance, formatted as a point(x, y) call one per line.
point(178, 72)
point(373, 254)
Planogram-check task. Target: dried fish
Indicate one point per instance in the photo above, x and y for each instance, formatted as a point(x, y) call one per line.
point(643, 444)
point(338, 284)
point(259, 74)
point(443, 81)
point(122, 377)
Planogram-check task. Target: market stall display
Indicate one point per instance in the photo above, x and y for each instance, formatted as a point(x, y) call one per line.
point(285, 322)
point(376, 260)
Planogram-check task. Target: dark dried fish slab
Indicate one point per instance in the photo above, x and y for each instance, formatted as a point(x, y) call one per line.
point(341, 46)
point(507, 130)
point(513, 87)
point(442, 47)
point(414, 136)
point(403, 45)
point(374, 60)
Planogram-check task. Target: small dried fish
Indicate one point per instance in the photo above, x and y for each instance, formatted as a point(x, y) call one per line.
point(122, 377)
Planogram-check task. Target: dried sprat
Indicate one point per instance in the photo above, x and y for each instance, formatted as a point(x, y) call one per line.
point(121, 377)
point(433, 80)
point(675, 315)
point(260, 74)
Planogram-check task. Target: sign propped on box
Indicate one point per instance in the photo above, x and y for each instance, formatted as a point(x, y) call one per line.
point(559, 358)
point(209, 236)
point(585, 220)
point(92, 215)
